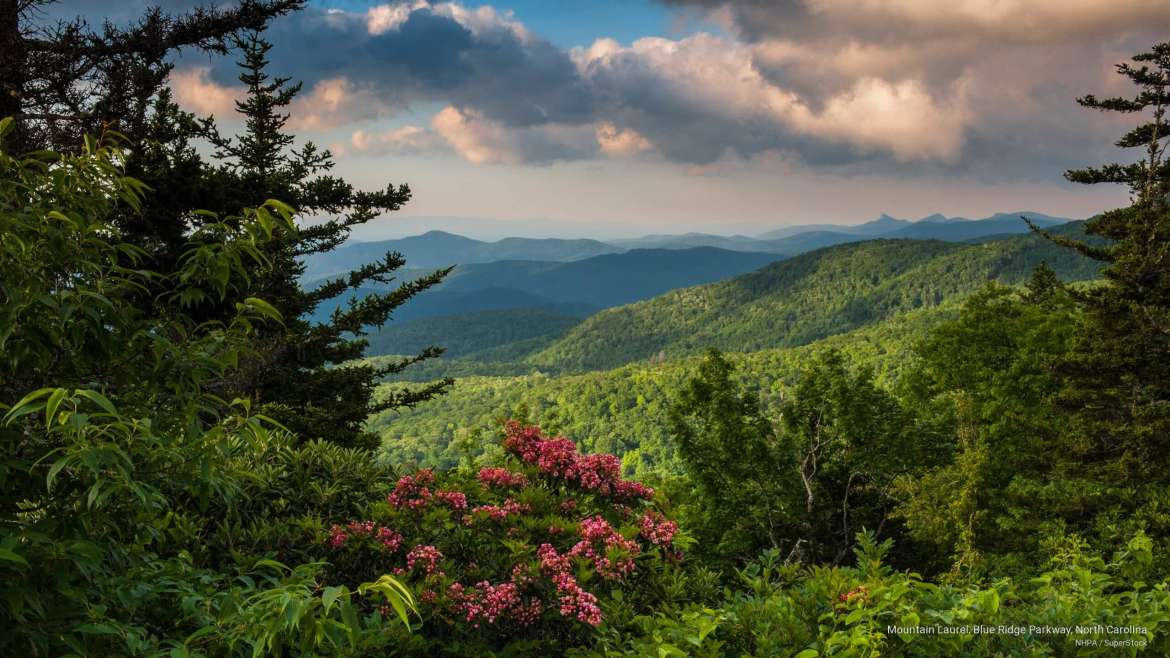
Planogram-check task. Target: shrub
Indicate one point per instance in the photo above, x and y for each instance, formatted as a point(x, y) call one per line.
point(531, 551)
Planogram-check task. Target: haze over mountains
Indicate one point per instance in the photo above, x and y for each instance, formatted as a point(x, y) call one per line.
point(439, 249)
point(552, 284)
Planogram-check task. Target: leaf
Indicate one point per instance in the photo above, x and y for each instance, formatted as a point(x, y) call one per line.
point(98, 399)
point(329, 596)
point(990, 601)
point(264, 308)
point(54, 470)
point(349, 618)
point(52, 405)
point(23, 407)
point(807, 653)
point(10, 556)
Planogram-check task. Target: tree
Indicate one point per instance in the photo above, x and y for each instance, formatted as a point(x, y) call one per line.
point(806, 483)
point(741, 473)
point(64, 81)
point(1117, 379)
point(991, 487)
point(123, 468)
point(298, 371)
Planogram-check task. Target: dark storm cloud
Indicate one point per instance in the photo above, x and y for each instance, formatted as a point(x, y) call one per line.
point(432, 57)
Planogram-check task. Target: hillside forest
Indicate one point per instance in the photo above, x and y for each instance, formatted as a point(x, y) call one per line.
point(229, 429)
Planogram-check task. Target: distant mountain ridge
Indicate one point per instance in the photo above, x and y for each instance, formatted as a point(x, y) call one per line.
point(435, 249)
point(575, 288)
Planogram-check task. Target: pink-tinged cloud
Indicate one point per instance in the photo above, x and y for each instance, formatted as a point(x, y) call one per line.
point(707, 76)
point(619, 143)
point(480, 140)
point(407, 140)
point(197, 92)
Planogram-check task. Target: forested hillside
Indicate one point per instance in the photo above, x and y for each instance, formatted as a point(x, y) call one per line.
point(471, 332)
point(622, 410)
point(805, 298)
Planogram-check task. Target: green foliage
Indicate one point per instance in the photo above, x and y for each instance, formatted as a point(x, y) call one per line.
point(119, 450)
point(623, 410)
point(470, 333)
point(872, 610)
point(988, 378)
point(799, 483)
point(735, 461)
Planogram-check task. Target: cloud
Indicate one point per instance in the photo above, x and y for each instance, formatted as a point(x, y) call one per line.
point(421, 52)
point(407, 140)
point(481, 140)
point(716, 99)
point(1005, 71)
point(326, 105)
point(196, 92)
point(616, 142)
point(331, 103)
point(982, 86)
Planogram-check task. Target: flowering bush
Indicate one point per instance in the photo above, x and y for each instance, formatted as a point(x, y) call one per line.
point(532, 548)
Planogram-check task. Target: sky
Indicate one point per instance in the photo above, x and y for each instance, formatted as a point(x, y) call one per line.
point(608, 118)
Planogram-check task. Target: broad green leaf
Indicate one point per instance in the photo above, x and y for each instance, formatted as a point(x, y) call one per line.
point(9, 556)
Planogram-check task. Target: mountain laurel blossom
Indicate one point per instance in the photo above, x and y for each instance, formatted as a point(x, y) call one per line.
point(501, 477)
point(557, 458)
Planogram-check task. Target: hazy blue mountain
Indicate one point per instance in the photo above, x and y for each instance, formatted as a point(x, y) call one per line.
point(612, 279)
point(576, 288)
point(795, 245)
point(689, 241)
point(440, 249)
point(958, 229)
point(881, 225)
point(470, 332)
point(435, 303)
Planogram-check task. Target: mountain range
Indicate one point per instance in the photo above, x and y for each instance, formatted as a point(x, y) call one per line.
point(435, 249)
point(552, 285)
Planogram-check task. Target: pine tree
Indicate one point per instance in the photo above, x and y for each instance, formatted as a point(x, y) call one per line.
point(298, 375)
point(1117, 384)
point(66, 80)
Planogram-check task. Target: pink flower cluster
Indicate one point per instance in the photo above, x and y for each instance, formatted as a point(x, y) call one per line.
point(424, 555)
point(574, 601)
point(558, 458)
point(412, 491)
point(657, 529)
point(611, 553)
point(456, 500)
point(500, 512)
point(489, 603)
point(338, 535)
point(501, 477)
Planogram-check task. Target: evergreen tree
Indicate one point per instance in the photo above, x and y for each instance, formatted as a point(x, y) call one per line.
point(298, 369)
point(1117, 383)
point(66, 80)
